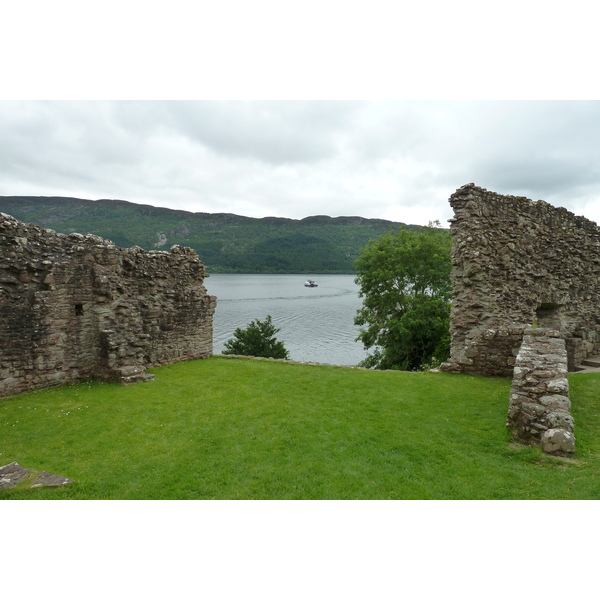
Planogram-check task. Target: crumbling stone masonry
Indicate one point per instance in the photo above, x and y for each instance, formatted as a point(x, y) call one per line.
point(539, 407)
point(516, 262)
point(76, 307)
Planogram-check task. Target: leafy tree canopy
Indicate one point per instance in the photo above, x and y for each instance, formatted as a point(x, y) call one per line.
point(258, 339)
point(404, 280)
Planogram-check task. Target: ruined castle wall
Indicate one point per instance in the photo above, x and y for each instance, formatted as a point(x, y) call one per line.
point(516, 263)
point(75, 307)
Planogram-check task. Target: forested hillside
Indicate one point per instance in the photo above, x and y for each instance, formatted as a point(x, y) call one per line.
point(226, 243)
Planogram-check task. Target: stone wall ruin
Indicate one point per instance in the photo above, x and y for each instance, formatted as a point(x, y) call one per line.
point(75, 307)
point(518, 263)
point(539, 411)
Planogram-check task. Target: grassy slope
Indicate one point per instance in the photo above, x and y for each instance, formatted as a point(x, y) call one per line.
point(243, 429)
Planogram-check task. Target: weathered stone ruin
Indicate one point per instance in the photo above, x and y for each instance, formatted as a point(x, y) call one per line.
point(516, 263)
point(526, 298)
point(539, 407)
point(75, 307)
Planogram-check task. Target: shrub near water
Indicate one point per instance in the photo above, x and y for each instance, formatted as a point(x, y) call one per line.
point(258, 339)
point(242, 429)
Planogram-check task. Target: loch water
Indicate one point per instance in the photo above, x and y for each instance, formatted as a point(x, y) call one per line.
point(316, 324)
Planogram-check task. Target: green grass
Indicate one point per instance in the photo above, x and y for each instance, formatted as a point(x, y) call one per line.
point(258, 429)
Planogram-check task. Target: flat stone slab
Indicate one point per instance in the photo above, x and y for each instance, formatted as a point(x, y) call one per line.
point(589, 365)
point(14, 474)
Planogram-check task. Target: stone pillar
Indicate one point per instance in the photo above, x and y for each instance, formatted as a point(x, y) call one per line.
point(539, 408)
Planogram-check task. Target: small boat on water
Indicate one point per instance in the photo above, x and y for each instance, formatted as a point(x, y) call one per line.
point(310, 283)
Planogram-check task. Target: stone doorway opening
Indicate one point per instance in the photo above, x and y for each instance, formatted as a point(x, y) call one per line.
point(548, 316)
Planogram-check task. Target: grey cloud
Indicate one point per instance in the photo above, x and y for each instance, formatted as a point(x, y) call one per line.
point(541, 149)
point(395, 129)
point(272, 132)
point(74, 138)
point(537, 148)
point(539, 176)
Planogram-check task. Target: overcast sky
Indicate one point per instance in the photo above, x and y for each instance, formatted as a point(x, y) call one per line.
point(397, 160)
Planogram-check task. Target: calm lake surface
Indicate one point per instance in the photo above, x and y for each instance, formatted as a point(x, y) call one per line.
point(317, 324)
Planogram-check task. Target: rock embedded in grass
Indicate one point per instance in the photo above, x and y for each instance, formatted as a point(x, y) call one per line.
point(13, 474)
point(558, 441)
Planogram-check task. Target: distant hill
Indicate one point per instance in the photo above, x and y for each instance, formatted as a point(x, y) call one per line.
point(225, 243)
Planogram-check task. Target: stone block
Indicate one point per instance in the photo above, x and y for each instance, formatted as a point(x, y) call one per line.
point(560, 420)
point(558, 441)
point(556, 401)
point(532, 410)
point(559, 386)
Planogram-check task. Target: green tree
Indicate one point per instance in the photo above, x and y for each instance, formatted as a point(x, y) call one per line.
point(404, 278)
point(258, 339)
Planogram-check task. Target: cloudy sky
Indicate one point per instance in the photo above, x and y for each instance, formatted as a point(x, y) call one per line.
point(397, 160)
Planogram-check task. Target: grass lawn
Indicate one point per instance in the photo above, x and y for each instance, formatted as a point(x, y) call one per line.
point(227, 428)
